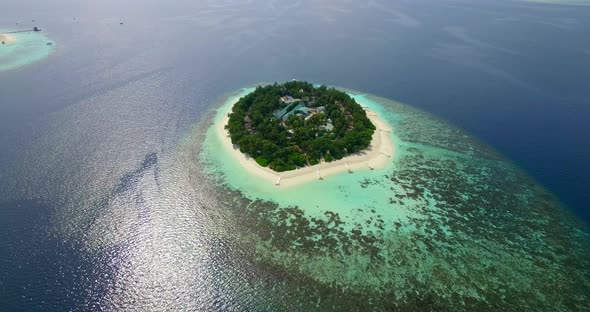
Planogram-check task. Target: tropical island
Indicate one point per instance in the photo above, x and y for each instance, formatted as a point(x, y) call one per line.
point(295, 124)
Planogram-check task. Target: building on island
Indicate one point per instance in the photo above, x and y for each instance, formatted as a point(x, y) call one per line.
point(297, 107)
point(328, 126)
point(303, 110)
point(287, 99)
point(281, 112)
point(300, 110)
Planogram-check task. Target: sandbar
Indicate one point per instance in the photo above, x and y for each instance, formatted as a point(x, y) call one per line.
point(379, 153)
point(7, 38)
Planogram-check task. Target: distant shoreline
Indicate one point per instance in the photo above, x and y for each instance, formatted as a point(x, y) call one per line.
point(376, 156)
point(561, 2)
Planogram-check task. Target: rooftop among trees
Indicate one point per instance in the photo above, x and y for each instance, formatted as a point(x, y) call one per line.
point(295, 124)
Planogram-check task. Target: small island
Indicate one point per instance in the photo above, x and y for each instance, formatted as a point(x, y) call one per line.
point(21, 47)
point(295, 133)
point(6, 39)
point(295, 124)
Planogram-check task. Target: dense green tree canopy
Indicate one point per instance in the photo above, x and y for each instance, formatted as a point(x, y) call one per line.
point(291, 125)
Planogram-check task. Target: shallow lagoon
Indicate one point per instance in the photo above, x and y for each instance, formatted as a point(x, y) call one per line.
point(449, 221)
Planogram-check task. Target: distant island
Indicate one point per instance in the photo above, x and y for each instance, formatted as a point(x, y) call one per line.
point(295, 124)
point(21, 47)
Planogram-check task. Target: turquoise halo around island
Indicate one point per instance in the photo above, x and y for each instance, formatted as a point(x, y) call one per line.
point(448, 223)
point(337, 188)
point(23, 48)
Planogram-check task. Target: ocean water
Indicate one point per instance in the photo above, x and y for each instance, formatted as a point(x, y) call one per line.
point(104, 204)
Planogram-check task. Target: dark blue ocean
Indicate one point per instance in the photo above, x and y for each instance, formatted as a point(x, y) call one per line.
point(96, 126)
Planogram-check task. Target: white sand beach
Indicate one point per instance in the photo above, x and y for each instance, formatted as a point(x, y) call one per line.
point(7, 38)
point(379, 153)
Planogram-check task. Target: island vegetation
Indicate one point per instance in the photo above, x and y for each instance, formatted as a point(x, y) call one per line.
point(295, 124)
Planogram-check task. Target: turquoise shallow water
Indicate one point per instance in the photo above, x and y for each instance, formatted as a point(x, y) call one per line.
point(449, 221)
point(28, 48)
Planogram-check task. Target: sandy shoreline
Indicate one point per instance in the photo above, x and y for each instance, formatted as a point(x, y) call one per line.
point(7, 38)
point(376, 156)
